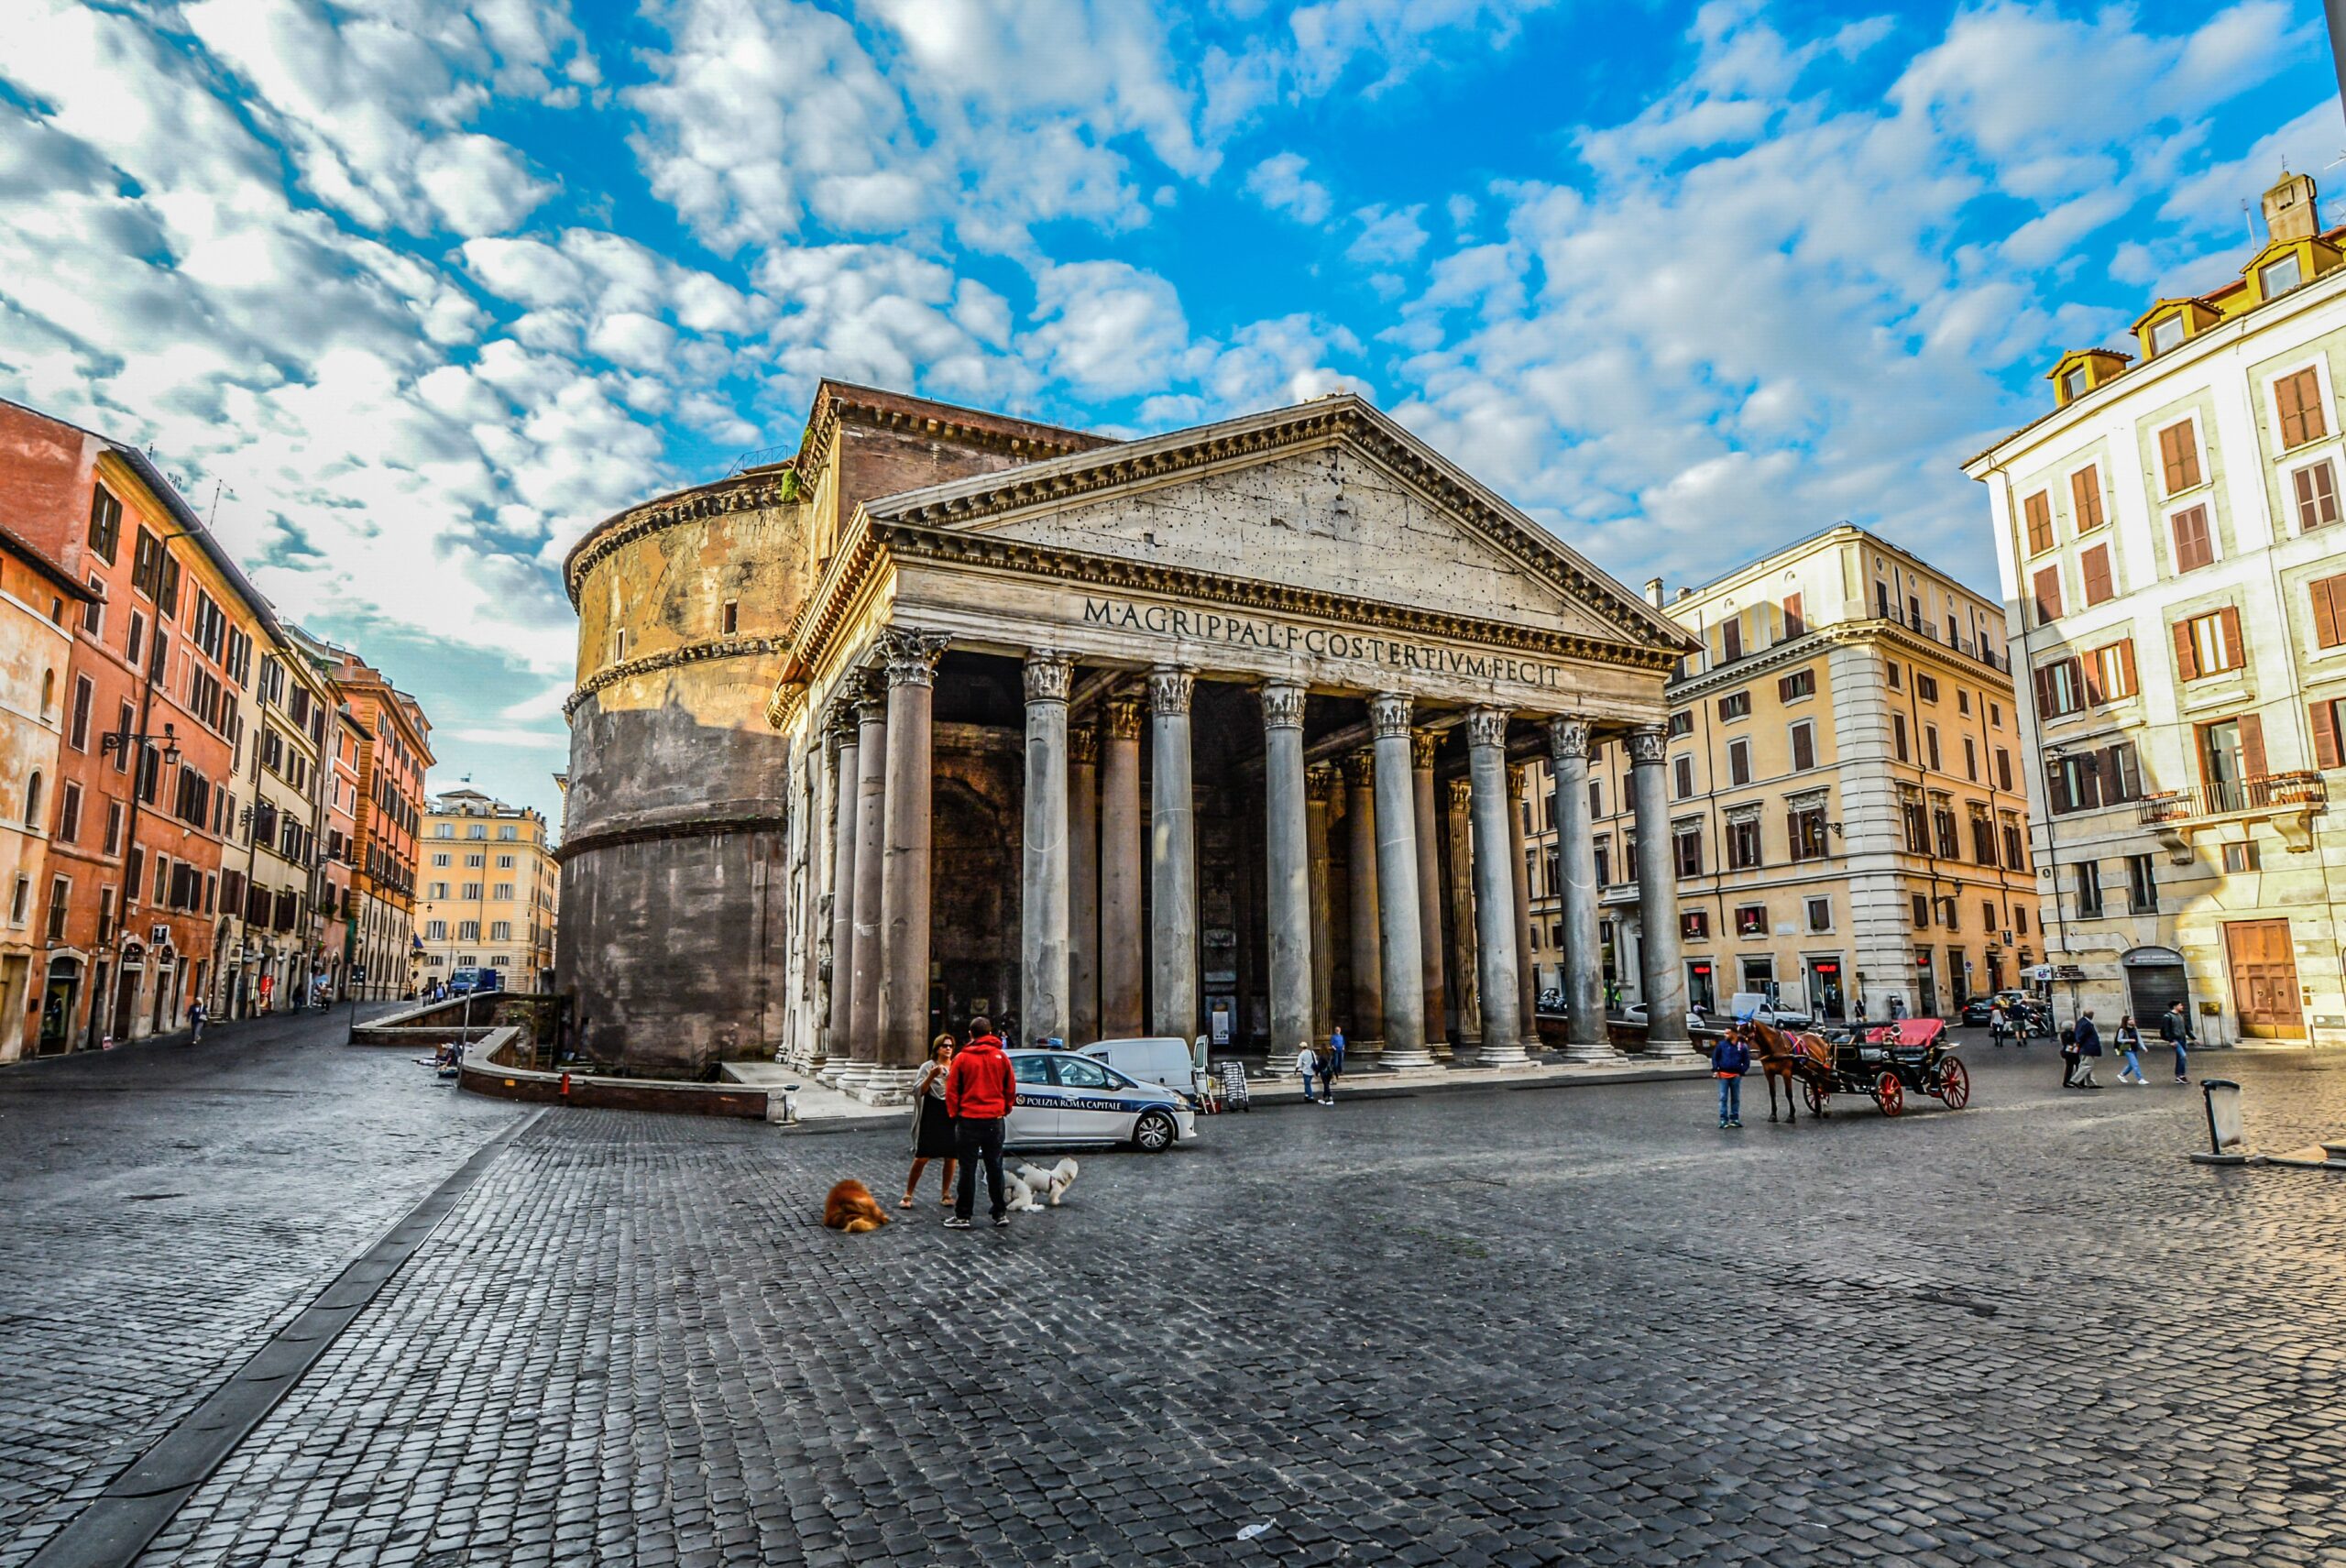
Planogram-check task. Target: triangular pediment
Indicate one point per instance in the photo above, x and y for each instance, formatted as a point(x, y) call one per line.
point(1328, 497)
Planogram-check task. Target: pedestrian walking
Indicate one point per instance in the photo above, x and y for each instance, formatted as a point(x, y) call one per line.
point(1325, 1059)
point(1730, 1059)
point(1861, 1012)
point(1612, 997)
point(195, 1017)
point(2175, 1028)
point(980, 1090)
point(2000, 1023)
point(1307, 1064)
point(2129, 1041)
point(932, 1123)
point(1336, 1054)
point(2088, 1049)
point(2069, 1058)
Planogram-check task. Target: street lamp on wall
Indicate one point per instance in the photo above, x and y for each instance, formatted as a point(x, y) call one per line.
point(121, 740)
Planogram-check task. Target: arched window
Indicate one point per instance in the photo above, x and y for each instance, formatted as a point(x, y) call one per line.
point(32, 802)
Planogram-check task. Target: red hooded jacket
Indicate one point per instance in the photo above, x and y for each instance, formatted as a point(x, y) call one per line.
point(981, 1085)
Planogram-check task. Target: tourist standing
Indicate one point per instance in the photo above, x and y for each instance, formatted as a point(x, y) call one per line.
point(1730, 1059)
point(2000, 1023)
point(1336, 1053)
point(932, 1123)
point(1307, 1064)
point(980, 1090)
point(2089, 1048)
point(195, 1017)
point(1897, 1008)
point(1325, 1058)
point(2129, 1041)
point(2175, 1028)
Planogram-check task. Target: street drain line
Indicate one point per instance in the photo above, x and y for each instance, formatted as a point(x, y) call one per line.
point(121, 1520)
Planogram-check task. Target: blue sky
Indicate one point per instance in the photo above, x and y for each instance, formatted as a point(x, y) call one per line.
point(430, 287)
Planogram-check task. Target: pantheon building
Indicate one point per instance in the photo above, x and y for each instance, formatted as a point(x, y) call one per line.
point(1217, 733)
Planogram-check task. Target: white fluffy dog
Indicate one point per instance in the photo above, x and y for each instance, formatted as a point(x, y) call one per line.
point(1020, 1192)
point(1052, 1183)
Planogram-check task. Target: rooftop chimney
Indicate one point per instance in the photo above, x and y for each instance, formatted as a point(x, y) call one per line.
point(1654, 592)
point(2289, 209)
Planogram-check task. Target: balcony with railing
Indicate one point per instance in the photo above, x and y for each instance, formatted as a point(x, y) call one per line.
point(2288, 801)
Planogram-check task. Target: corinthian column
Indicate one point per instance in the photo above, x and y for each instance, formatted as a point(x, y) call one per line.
point(905, 882)
point(1664, 974)
point(1502, 995)
point(1367, 1031)
point(1083, 885)
point(1467, 988)
point(1286, 835)
point(1173, 860)
point(844, 746)
point(1122, 943)
point(1586, 1038)
point(1043, 883)
point(1526, 979)
point(871, 828)
point(1400, 907)
point(1423, 743)
point(1320, 788)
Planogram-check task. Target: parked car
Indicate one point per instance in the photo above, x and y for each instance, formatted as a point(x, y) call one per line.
point(1975, 1012)
point(1163, 1060)
point(467, 981)
point(1065, 1097)
point(1636, 1014)
point(1756, 1005)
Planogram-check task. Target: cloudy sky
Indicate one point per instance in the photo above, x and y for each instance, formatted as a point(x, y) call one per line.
point(427, 288)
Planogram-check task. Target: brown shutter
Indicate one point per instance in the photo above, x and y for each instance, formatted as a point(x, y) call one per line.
point(2047, 588)
point(2043, 675)
point(2089, 668)
point(1795, 622)
point(2192, 549)
point(2251, 745)
point(2234, 648)
point(2040, 522)
point(2096, 562)
point(1803, 748)
point(2299, 396)
point(2187, 658)
point(2325, 595)
point(1783, 688)
point(2325, 734)
point(2084, 490)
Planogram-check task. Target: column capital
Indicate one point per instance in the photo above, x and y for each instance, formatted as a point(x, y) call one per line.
point(1169, 688)
point(1360, 769)
point(1486, 726)
point(1123, 719)
point(1423, 744)
point(911, 654)
point(1388, 714)
point(1648, 744)
point(1568, 739)
point(1515, 772)
point(872, 702)
point(839, 721)
point(1320, 783)
point(1283, 705)
point(1049, 673)
point(1461, 793)
point(1083, 745)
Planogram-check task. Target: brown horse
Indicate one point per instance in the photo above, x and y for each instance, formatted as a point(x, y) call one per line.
point(1795, 1058)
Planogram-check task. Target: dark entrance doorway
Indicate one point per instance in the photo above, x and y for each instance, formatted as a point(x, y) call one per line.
point(58, 996)
point(2155, 982)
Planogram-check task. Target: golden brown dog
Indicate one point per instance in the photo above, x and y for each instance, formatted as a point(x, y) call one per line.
point(852, 1209)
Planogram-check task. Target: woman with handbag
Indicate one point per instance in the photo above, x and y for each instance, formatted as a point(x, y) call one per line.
point(932, 1124)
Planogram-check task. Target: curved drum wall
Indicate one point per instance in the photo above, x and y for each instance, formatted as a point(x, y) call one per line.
point(674, 883)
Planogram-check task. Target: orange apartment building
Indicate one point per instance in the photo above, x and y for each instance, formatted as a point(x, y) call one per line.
point(394, 750)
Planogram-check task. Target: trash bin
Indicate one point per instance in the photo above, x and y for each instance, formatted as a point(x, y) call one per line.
point(2227, 1138)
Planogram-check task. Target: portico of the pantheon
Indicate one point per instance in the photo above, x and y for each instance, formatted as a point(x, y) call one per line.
point(1217, 733)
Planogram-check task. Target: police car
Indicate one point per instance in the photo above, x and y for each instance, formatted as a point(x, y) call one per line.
point(1063, 1098)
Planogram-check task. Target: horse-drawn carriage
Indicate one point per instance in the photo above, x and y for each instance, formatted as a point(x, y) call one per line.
point(1885, 1063)
point(1889, 1062)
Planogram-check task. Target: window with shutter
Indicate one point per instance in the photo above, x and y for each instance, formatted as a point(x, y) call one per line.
point(2298, 398)
point(2039, 511)
point(2085, 491)
point(1804, 747)
point(1739, 761)
point(2187, 651)
point(2328, 596)
point(2317, 489)
point(2110, 672)
point(2179, 457)
point(2326, 750)
point(1795, 622)
point(2251, 745)
point(2095, 565)
point(1731, 639)
point(2194, 546)
point(2047, 586)
point(2235, 652)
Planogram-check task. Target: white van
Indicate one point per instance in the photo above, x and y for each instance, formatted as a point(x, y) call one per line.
point(1161, 1058)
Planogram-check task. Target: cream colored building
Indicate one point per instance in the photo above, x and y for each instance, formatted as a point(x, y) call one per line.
point(2168, 539)
point(275, 909)
point(489, 891)
point(1844, 773)
point(35, 598)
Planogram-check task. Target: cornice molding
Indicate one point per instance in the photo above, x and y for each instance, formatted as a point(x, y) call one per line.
point(734, 494)
point(1035, 443)
point(669, 659)
point(698, 827)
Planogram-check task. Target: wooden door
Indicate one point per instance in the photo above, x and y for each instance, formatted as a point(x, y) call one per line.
point(2265, 979)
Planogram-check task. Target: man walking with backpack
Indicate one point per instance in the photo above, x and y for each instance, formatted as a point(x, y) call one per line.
point(980, 1090)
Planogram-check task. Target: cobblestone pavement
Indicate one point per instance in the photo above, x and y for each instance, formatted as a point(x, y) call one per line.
point(165, 1207)
point(1575, 1325)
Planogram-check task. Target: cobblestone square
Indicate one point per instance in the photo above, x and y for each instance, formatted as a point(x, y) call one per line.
point(1510, 1327)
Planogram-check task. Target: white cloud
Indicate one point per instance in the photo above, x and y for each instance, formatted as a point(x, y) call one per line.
point(1107, 327)
point(1387, 236)
point(1280, 184)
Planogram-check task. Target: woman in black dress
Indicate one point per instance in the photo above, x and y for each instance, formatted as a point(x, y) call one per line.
point(932, 1128)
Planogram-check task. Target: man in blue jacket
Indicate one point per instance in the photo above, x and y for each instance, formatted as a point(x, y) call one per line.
point(1730, 1059)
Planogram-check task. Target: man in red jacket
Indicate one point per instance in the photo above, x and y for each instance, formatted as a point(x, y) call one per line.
point(980, 1090)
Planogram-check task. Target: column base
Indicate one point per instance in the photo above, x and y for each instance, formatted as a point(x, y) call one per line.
point(1502, 1054)
point(1441, 1049)
point(1403, 1056)
point(846, 1074)
point(1669, 1051)
point(1592, 1051)
point(1533, 1046)
point(884, 1085)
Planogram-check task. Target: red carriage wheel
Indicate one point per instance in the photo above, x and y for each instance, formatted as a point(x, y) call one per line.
point(1955, 1084)
point(1815, 1097)
point(1889, 1095)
